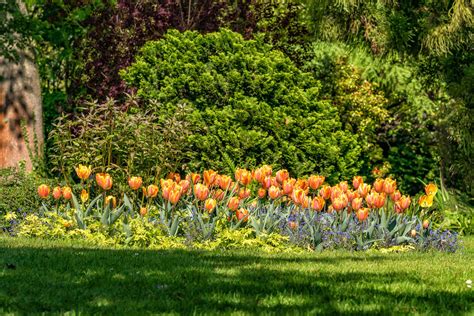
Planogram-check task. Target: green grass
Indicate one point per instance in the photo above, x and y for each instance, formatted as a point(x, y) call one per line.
point(48, 277)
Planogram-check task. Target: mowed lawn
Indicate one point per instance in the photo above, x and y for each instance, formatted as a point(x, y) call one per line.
point(55, 277)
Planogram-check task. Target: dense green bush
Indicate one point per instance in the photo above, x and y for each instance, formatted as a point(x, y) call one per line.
point(18, 191)
point(251, 104)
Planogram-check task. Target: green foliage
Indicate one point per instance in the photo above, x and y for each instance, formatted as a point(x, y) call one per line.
point(436, 27)
point(385, 101)
point(251, 104)
point(18, 190)
point(123, 142)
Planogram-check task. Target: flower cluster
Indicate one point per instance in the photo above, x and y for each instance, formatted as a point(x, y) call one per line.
point(307, 210)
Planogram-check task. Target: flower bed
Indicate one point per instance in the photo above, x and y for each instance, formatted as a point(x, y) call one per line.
point(256, 208)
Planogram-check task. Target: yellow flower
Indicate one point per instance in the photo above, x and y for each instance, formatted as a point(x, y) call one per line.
point(83, 172)
point(84, 196)
point(431, 189)
point(426, 201)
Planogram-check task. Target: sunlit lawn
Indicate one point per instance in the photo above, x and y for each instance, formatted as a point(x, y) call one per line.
point(44, 276)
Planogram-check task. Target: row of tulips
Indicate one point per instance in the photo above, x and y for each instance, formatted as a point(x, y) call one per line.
point(249, 187)
point(307, 210)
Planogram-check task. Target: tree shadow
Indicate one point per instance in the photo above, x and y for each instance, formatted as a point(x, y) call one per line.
point(108, 281)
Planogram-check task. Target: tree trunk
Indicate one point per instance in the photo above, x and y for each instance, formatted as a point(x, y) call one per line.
point(20, 103)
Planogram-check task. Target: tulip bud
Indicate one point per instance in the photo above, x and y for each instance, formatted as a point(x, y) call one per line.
point(143, 211)
point(57, 193)
point(84, 196)
point(67, 193)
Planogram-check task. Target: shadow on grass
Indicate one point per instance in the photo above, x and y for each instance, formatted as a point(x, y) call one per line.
point(140, 281)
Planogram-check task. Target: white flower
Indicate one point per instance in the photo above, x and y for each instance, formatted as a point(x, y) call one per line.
point(469, 283)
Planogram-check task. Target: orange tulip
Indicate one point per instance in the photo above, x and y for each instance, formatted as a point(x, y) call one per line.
point(375, 199)
point(340, 202)
point(362, 214)
point(219, 195)
point(297, 196)
point(167, 183)
point(166, 190)
point(356, 204)
point(233, 203)
point(152, 191)
point(380, 200)
point(305, 202)
point(185, 185)
point(67, 193)
point(273, 192)
point(104, 180)
point(175, 194)
point(267, 170)
point(143, 211)
point(267, 182)
point(210, 204)
point(351, 195)
point(282, 175)
point(302, 184)
point(243, 176)
point(287, 187)
point(258, 175)
point(262, 193)
point(43, 191)
point(174, 176)
point(395, 196)
point(111, 200)
point(378, 185)
point(193, 177)
point(413, 233)
point(357, 181)
point(84, 196)
point(224, 182)
point(135, 183)
point(336, 192)
point(325, 192)
point(57, 193)
point(402, 204)
point(209, 177)
point(343, 186)
point(244, 193)
point(242, 214)
point(318, 203)
point(426, 201)
point(201, 191)
point(389, 186)
point(83, 172)
point(315, 182)
point(364, 189)
point(431, 189)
